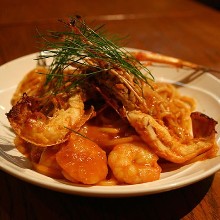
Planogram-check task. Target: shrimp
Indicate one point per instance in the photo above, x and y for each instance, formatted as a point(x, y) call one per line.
point(142, 110)
point(48, 125)
point(170, 147)
point(134, 163)
point(82, 160)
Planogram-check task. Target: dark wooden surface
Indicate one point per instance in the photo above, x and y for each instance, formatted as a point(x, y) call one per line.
point(185, 29)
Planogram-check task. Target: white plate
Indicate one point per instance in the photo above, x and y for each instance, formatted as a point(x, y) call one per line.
point(205, 89)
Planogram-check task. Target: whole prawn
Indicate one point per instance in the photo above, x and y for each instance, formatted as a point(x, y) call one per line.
point(124, 93)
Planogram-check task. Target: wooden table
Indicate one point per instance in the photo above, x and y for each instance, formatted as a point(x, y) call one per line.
point(183, 29)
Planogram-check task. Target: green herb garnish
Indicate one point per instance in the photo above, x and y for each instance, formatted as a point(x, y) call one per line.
point(82, 47)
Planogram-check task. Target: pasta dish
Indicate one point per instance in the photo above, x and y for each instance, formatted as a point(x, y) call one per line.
point(96, 116)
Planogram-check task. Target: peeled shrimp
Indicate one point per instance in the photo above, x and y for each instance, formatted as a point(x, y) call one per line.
point(134, 163)
point(38, 127)
point(169, 147)
point(82, 160)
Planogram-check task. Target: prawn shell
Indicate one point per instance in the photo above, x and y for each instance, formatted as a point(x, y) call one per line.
point(37, 128)
point(203, 126)
point(166, 145)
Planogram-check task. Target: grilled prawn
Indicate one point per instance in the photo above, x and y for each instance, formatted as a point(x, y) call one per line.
point(171, 147)
point(44, 126)
point(141, 105)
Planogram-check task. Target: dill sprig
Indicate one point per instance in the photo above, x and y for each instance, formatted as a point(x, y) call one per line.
point(81, 44)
